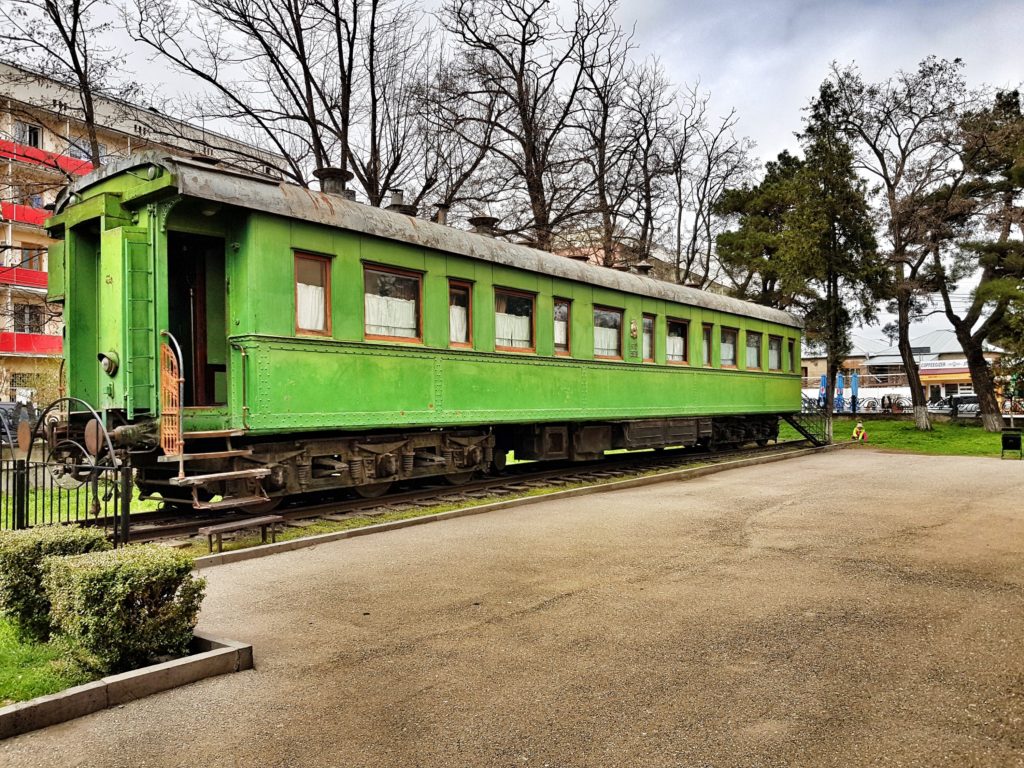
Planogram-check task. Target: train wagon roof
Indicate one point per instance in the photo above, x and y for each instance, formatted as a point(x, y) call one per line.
point(195, 178)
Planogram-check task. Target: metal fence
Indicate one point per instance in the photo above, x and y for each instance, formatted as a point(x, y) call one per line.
point(61, 468)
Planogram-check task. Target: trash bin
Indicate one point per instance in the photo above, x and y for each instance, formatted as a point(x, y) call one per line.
point(1012, 443)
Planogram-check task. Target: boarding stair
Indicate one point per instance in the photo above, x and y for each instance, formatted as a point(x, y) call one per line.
point(810, 422)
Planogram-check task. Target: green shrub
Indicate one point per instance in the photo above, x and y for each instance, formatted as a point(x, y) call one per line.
point(22, 598)
point(120, 609)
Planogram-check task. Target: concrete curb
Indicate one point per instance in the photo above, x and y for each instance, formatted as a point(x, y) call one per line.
point(213, 657)
point(265, 550)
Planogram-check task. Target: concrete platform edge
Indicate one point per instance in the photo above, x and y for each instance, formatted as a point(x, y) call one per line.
point(215, 657)
point(266, 550)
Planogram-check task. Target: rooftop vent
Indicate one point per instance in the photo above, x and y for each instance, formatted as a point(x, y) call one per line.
point(398, 203)
point(332, 180)
point(484, 225)
point(441, 217)
point(643, 267)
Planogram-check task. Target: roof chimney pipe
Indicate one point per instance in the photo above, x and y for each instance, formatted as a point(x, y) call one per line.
point(441, 217)
point(398, 203)
point(484, 225)
point(643, 267)
point(332, 180)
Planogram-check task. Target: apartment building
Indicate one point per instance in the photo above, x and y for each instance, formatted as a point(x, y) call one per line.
point(43, 146)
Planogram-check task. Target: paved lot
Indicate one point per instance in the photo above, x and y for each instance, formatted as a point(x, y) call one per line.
point(853, 608)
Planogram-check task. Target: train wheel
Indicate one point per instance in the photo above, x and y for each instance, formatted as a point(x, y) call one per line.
point(371, 490)
point(499, 461)
point(459, 478)
point(761, 442)
point(267, 506)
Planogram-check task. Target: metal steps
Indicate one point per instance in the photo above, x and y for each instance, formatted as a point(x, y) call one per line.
point(242, 501)
point(238, 474)
point(810, 422)
point(201, 435)
point(207, 455)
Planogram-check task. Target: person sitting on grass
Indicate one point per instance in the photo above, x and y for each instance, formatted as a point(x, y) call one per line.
point(859, 433)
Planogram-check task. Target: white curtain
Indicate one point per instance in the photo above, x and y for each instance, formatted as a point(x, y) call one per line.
point(458, 324)
point(606, 341)
point(728, 350)
point(648, 345)
point(310, 310)
point(706, 350)
point(775, 356)
point(512, 330)
point(675, 349)
point(561, 334)
point(388, 316)
point(753, 353)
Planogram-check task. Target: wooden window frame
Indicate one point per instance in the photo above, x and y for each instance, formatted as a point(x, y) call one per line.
point(568, 327)
point(686, 340)
point(325, 262)
point(760, 350)
point(709, 329)
point(654, 324)
point(735, 345)
point(622, 320)
point(468, 285)
point(532, 350)
point(368, 265)
point(768, 359)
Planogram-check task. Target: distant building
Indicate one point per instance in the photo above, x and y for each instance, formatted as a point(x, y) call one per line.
point(43, 145)
point(939, 356)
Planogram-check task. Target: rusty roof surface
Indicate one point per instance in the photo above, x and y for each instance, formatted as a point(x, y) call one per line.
point(231, 187)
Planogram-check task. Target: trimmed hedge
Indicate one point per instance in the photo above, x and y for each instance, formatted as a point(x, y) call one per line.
point(22, 597)
point(124, 607)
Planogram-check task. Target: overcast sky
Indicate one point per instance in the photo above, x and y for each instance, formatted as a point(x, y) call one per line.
point(768, 58)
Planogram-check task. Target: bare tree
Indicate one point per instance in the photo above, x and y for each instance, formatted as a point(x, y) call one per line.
point(65, 40)
point(322, 83)
point(518, 53)
point(903, 129)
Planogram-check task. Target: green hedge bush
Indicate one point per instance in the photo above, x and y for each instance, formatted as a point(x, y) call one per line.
point(124, 607)
point(22, 598)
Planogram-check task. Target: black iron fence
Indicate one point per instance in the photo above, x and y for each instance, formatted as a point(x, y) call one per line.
point(61, 468)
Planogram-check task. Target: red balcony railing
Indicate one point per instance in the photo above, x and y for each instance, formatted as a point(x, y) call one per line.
point(28, 278)
point(24, 214)
point(30, 344)
point(34, 156)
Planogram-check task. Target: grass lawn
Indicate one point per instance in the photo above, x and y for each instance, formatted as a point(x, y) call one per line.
point(944, 439)
point(28, 670)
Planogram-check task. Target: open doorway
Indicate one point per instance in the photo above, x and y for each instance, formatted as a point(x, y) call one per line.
point(196, 315)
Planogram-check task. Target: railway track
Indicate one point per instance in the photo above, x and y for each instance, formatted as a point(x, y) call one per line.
point(514, 481)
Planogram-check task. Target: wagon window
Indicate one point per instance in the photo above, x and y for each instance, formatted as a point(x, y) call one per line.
point(774, 353)
point(607, 332)
point(676, 350)
point(460, 330)
point(513, 321)
point(312, 294)
point(792, 356)
point(392, 303)
point(728, 346)
point(705, 344)
point(648, 338)
point(753, 350)
point(562, 327)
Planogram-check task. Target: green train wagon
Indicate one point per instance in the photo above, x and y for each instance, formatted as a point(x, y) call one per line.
point(251, 339)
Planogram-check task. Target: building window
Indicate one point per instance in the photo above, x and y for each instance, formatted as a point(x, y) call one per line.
point(562, 332)
point(513, 321)
point(728, 346)
point(29, 318)
point(392, 303)
point(705, 345)
point(312, 294)
point(607, 332)
point(792, 356)
point(676, 347)
point(774, 353)
point(648, 338)
point(28, 134)
point(31, 258)
point(79, 150)
point(460, 318)
point(753, 350)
